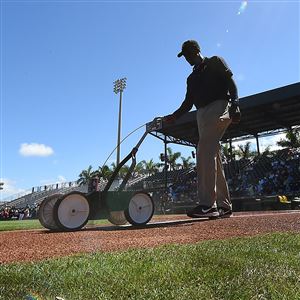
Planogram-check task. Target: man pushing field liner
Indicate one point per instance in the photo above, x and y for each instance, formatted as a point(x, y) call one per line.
point(212, 90)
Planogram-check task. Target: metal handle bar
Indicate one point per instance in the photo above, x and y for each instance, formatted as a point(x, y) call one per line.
point(157, 122)
point(132, 155)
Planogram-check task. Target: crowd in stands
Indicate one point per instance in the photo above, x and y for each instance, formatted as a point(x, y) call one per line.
point(278, 174)
point(13, 213)
point(184, 188)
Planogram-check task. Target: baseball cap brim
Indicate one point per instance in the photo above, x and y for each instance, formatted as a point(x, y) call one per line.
point(188, 46)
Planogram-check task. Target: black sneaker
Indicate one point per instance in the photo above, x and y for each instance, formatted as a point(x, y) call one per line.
point(224, 212)
point(201, 211)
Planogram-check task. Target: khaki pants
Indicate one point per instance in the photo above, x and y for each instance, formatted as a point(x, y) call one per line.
point(212, 121)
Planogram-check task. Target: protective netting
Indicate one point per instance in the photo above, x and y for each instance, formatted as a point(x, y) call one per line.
point(275, 174)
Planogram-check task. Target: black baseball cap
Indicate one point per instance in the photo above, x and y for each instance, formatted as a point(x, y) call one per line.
point(187, 46)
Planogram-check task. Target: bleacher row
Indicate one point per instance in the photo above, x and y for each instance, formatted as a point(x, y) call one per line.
point(36, 197)
point(157, 180)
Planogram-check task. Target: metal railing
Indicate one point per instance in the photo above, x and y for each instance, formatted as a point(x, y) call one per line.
point(37, 193)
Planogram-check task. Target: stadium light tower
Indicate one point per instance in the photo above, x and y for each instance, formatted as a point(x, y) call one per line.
point(119, 87)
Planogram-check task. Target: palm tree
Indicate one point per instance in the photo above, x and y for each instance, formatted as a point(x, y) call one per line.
point(187, 163)
point(150, 167)
point(85, 176)
point(267, 151)
point(139, 169)
point(123, 171)
point(105, 172)
point(113, 166)
point(172, 157)
point(292, 139)
point(244, 151)
point(225, 150)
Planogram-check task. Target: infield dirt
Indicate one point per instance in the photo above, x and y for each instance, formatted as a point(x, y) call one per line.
point(33, 245)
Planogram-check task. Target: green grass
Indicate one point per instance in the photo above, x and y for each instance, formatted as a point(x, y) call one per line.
point(34, 224)
point(19, 225)
point(262, 267)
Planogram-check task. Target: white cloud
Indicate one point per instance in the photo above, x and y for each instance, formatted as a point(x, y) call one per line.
point(271, 141)
point(50, 181)
point(46, 181)
point(61, 178)
point(9, 188)
point(34, 149)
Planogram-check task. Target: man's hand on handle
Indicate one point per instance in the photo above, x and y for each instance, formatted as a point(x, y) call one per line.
point(234, 114)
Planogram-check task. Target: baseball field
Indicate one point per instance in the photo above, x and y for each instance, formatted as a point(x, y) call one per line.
point(248, 256)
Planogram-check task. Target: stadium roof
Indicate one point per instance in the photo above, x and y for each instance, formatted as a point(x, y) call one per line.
point(262, 114)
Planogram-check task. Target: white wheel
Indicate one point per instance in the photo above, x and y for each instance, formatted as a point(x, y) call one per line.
point(71, 212)
point(117, 217)
point(45, 212)
point(140, 209)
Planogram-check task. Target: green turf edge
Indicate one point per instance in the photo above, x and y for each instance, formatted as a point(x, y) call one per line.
point(12, 225)
point(261, 267)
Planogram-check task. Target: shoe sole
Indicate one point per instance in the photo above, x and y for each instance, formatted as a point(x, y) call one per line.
point(208, 215)
point(226, 216)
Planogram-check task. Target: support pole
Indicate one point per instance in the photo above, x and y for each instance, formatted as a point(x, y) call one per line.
point(230, 150)
point(257, 144)
point(119, 129)
point(166, 164)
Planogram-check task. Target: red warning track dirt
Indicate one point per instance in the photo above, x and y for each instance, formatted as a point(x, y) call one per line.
point(34, 245)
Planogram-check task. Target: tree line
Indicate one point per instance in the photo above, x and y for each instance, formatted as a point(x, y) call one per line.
point(176, 161)
point(142, 168)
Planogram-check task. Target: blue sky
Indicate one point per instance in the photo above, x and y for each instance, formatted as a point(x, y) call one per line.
point(59, 60)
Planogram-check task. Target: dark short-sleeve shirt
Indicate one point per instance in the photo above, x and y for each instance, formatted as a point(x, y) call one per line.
point(207, 83)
